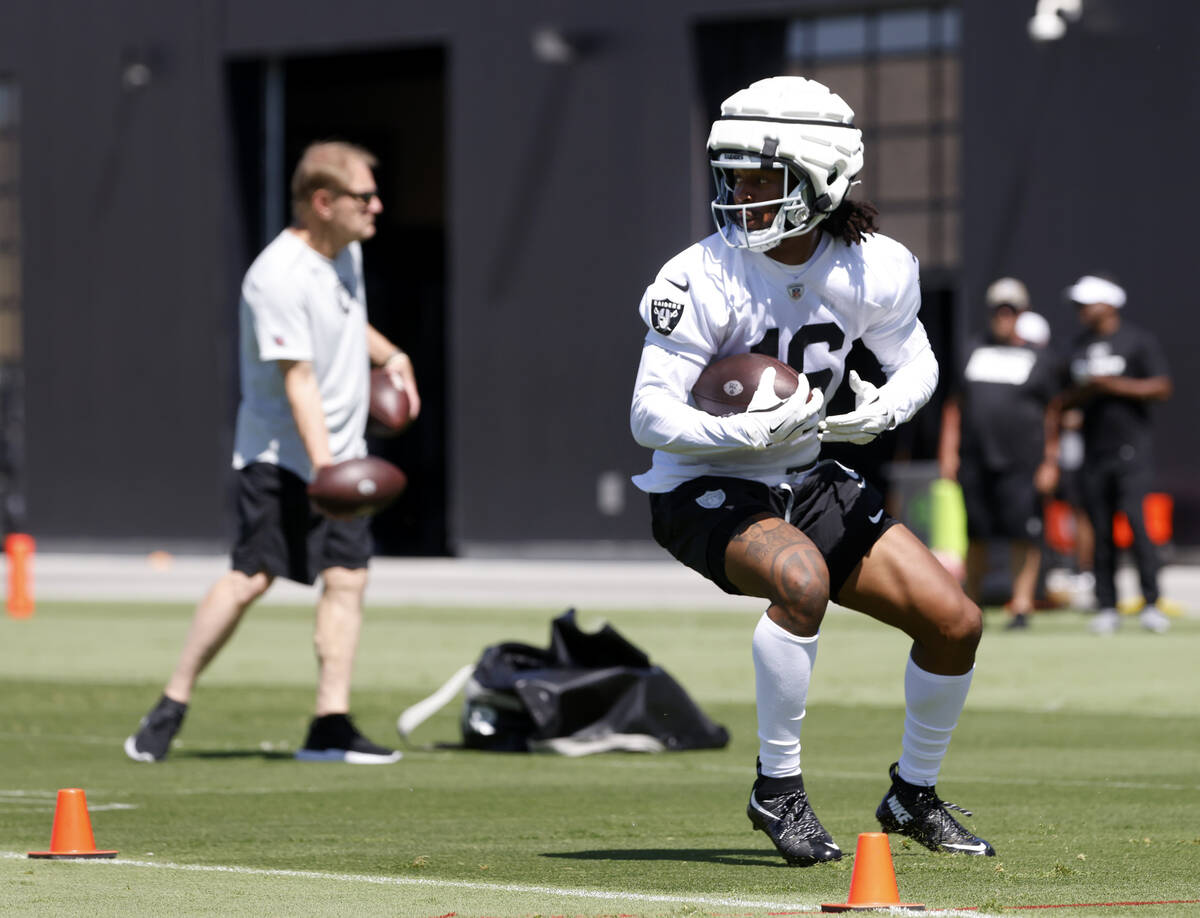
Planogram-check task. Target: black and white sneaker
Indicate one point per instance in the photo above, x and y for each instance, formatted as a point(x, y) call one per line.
point(334, 738)
point(779, 807)
point(156, 731)
point(918, 812)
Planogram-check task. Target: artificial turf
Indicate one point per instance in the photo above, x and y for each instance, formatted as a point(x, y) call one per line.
point(1080, 757)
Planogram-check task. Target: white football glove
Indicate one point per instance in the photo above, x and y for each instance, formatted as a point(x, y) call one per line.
point(871, 416)
point(769, 420)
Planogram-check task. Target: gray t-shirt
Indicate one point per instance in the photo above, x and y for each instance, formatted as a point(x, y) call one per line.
point(299, 305)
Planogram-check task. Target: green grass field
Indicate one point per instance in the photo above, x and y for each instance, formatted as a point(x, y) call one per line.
point(1080, 757)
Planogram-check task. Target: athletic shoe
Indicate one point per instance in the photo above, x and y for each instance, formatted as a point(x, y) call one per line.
point(334, 738)
point(1153, 619)
point(1106, 621)
point(908, 809)
point(779, 807)
point(1017, 622)
point(156, 731)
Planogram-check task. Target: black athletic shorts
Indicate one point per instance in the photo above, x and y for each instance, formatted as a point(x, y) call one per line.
point(832, 505)
point(279, 532)
point(1000, 505)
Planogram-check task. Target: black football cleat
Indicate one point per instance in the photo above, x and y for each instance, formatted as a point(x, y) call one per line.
point(779, 807)
point(918, 812)
point(334, 738)
point(156, 731)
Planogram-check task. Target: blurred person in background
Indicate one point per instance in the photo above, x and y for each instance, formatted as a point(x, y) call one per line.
point(1075, 585)
point(1117, 371)
point(306, 350)
point(999, 440)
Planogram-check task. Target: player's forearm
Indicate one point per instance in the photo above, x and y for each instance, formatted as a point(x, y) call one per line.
point(950, 439)
point(659, 420)
point(385, 354)
point(661, 417)
point(1052, 426)
point(1153, 389)
point(910, 386)
point(379, 349)
point(304, 397)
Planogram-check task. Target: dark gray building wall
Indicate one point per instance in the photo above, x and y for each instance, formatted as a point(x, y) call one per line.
point(1078, 156)
point(569, 185)
point(125, 306)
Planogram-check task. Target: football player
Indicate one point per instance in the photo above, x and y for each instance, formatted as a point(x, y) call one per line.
point(797, 270)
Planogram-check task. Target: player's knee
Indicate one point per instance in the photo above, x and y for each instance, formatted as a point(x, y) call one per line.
point(803, 596)
point(249, 587)
point(962, 624)
point(344, 580)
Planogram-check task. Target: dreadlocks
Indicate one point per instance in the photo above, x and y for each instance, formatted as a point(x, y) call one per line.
point(851, 220)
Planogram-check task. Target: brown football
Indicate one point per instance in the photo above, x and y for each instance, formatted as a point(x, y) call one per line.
point(389, 414)
point(356, 487)
point(726, 386)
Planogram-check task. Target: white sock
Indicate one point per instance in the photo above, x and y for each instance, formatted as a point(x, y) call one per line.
point(932, 706)
point(783, 665)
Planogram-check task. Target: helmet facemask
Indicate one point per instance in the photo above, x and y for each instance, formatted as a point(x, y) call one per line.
point(793, 211)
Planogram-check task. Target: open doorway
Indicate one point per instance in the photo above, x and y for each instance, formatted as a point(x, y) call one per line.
point(393, 103)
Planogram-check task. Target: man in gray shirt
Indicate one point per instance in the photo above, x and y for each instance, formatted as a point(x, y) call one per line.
point(306, 351)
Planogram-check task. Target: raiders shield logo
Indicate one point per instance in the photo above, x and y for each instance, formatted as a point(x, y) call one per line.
point(665, 314)
point(795, 291)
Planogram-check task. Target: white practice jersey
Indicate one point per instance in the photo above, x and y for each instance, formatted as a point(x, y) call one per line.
point(713, 301)
point(299, 305)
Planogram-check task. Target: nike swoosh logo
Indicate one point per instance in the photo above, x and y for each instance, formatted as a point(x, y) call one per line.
point(874, 517)
point(684, 286)
point(976, 847)
point(754, 803)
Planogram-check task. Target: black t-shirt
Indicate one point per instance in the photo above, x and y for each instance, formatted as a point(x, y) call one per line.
point(1003, 390)
point(1111, 422)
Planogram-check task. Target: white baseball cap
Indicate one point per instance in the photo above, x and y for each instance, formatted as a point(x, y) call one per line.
point(1033, 328)
point(1008, 291)
point(1092, 289)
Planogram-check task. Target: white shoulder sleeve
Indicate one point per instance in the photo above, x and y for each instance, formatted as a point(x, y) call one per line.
point(684, 310)
point(281, 322)
point(662, 418)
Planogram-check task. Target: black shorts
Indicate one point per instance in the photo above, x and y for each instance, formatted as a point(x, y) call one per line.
point(832, 505)
point(279, 532)
point(1000, 505)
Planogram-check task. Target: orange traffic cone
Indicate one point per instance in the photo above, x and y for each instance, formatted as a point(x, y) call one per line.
point(873, 882)
point(72, 835)
point(19, 548)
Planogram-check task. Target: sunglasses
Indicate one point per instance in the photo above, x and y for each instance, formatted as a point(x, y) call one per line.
point(364, 197)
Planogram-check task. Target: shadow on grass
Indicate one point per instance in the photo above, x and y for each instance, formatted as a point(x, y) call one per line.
point(269, 755)
point(738, 857)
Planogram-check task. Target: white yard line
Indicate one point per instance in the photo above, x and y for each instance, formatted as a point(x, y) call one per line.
point(558, 891)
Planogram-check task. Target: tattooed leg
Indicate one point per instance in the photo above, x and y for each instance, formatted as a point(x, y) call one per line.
point(775, 560)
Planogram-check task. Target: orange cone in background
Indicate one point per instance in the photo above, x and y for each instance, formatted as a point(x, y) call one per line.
point(72, 834)
point(19, 548)
point(873, 882)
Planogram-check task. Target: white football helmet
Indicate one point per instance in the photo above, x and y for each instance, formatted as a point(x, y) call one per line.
point(792, 124)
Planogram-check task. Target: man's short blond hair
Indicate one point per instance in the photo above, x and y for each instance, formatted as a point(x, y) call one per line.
point(327, 164)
